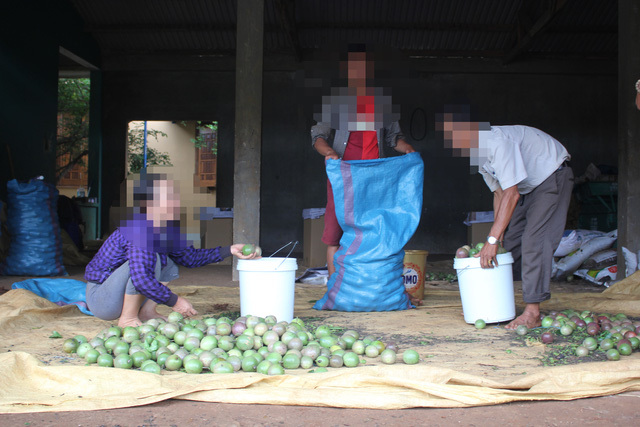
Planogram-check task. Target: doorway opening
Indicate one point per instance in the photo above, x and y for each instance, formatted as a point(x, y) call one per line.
point(187, 151)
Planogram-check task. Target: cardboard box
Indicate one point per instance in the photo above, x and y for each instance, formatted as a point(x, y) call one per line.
point(478, 232)
point(314, 252)
point(478, 226)
point(217, 232)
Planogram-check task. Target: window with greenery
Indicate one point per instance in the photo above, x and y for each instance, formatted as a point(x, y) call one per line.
point(135, 152)
point(72, 147)
point(206, 142)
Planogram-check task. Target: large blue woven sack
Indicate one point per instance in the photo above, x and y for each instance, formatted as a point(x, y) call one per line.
point(32, 220)
point(378, 205)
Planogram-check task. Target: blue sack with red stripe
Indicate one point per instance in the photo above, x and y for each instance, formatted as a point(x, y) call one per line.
point(378, 206)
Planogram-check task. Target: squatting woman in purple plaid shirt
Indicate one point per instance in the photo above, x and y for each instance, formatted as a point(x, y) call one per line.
point(127, 277)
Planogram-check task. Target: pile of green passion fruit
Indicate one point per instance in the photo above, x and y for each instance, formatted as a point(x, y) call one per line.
point(221, 345)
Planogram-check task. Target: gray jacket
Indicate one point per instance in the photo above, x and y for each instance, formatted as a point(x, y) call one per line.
point(338, 138)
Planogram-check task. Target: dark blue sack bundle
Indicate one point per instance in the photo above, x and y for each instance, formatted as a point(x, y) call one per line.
point(32, 220)
point(378, 206)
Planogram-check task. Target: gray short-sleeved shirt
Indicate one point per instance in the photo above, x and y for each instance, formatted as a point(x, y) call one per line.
point(519, 155)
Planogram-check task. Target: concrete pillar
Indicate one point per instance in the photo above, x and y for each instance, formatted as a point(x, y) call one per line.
point(248, 123)
point(628, 129)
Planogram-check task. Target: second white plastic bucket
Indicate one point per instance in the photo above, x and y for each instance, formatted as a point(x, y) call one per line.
point(486, 293)
point(267, 287)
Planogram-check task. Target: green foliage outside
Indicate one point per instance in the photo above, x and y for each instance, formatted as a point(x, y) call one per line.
point(135, 153)
point(73, 123)
point(73, 131)
point(200, 141)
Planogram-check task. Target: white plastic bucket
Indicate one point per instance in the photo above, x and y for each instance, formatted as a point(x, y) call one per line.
point(267, 287)
point(486, 293)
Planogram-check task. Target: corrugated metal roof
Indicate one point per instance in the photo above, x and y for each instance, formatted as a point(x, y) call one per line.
point(492, 28)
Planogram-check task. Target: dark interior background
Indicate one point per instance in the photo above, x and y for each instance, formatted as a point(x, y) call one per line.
point(175, 61)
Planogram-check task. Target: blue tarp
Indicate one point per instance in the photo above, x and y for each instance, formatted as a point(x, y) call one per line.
point(59, 291)
point(378, 206)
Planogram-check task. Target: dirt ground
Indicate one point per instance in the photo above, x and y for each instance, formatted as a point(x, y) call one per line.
point(619, 409)
point(615, 410)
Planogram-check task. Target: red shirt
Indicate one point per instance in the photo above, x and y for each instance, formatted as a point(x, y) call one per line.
point(363, 145)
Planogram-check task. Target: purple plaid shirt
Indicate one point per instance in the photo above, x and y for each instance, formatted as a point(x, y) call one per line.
point(116, 250)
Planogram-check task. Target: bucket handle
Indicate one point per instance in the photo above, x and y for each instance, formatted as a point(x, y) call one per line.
point(285, 258)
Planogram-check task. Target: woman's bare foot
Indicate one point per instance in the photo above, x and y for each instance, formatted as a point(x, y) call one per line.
point(148, 311)
point(130, 308)
point(128, 321)
point(529, 317)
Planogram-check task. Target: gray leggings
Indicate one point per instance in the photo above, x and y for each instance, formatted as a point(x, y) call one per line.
point(105, 300)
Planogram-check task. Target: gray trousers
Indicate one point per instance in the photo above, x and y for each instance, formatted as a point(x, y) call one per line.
point(105, 300)
point(535, 231)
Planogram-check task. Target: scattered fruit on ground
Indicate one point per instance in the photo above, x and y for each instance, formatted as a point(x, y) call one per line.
point(585, 335)
point(480, 324)
point(410, 357)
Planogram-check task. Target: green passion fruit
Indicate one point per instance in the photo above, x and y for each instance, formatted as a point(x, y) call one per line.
point(123, 361)
point(388, 357)
point(105, 360)
point(582, 351)
point(70, 345)
point(92, 356)
point(263, 367)
point(248, 249)
point(193, 366)
point(613, 354)
point(223, 367)
point(291, 361)
point(410, 357)
point(249, 364)
point(220, 345)
point(152, 367)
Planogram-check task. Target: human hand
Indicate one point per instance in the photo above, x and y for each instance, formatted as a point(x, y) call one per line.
point(236, 250)
point(184, 307)
point(331, 155)
point(324, 149)
point(488, 255)
point(404, 147)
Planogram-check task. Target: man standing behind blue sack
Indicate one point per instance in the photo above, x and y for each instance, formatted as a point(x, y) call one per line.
point(354, 124)
point(528, 172)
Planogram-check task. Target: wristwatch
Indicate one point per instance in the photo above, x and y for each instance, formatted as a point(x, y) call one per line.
point(491, 240)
